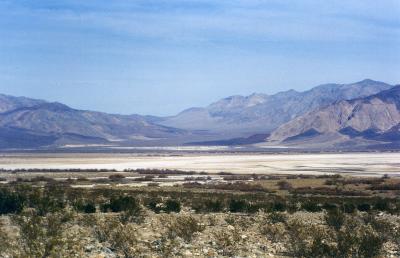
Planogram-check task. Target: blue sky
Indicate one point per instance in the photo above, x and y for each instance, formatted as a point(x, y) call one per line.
point(160, 57)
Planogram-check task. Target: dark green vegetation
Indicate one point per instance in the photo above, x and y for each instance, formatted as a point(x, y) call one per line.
point(339, 217)
point(55, 196)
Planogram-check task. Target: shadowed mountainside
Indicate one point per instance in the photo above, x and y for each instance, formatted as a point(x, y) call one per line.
point(365, 120)
point(237, 120)
point(261, 113)
point(54, 123)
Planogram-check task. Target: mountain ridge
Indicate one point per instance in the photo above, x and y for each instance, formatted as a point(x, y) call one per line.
point(262, 113)
point(371, 118)
point(59, 121)
point(235, 120)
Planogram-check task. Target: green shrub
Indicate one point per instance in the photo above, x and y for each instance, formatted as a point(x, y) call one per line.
point(311, 206)
point(356, 239)
point(84, 206)
point(364, 207)
point(172, 206)
point(121, 203)
point(238, 205)
point(329, 206)
point(10, 202)
point(321, 243)
point(298, 235)
point(46, 236)
point(7, 243)
point(382, 205)
point(229, 241)
point(183, 226)
point(47, 200)
point(370, 243)
point(274, 232)
point(383, 227)
point(124, 240)
point(165, 246)
point(277, 217)
point(335, 219)
point(348, 207)
point(154, 206)
point(116, 177)
point(213, 205)
point(284, 185)
point(309, 241)
point(103, 227)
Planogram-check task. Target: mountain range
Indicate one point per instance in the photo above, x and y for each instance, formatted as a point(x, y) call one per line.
point(365, 120)
point(261, 113)
point(40, 123)
point(364, 113)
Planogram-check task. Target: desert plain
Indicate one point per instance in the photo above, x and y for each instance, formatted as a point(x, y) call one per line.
point(354, 164)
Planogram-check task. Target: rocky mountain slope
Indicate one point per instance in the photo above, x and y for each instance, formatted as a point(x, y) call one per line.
point(8, 103)
point(41, 123)
point(371, 119)
point(237, 120)
point(261, 113)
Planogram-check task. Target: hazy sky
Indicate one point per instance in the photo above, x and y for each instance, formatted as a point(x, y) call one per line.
point(159, 57)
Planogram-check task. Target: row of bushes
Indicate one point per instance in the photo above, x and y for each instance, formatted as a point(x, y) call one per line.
point(53, 198)
point(336, 235)
point(237, 186)
point(386, 187)
point(355, 181)
point(163, 171)
point(51, 170)
point(328, 191)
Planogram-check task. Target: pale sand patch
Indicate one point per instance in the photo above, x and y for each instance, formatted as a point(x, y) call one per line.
point(351, 163)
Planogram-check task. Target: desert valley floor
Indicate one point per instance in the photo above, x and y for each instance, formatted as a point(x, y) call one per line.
point(200, 204)
point(361, 164)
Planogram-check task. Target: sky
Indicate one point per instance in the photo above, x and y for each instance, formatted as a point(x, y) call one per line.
point(161, 57)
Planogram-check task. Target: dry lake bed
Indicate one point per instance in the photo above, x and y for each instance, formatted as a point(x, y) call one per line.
point(361, 164)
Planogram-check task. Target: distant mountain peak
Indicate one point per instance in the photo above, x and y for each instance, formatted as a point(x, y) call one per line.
point(54, 106)
point(371, 118)
point(34, 123)
point(366, 109)
point(9, 103)
point(262, 113)
point(367, 81)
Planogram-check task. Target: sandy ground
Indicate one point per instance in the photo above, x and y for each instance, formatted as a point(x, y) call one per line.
point(350, 163)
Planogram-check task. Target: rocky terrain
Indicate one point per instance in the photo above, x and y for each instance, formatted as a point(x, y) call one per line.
point(42, 123)
point(369, 120)
point(8, 103)
point(261, 113)
point(314, 117)
point(269, 216)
